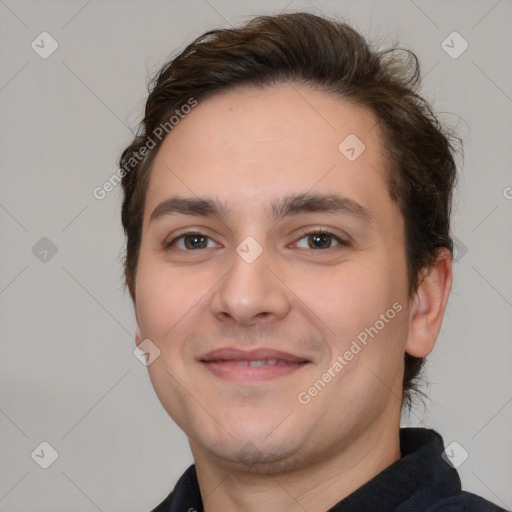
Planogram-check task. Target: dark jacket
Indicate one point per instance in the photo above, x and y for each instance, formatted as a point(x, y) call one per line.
point(421, 481)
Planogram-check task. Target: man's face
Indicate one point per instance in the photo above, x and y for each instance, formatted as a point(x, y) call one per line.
point(256, 276)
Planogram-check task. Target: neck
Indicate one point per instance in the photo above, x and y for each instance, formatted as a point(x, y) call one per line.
point(315, 486)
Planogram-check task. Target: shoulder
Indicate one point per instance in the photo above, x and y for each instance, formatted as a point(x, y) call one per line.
point(465, 502)
point(185, 497)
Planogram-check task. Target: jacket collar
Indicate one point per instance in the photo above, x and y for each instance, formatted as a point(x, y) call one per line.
point(419, 479)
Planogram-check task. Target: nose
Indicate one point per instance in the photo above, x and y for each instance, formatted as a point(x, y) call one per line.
point(251, 292)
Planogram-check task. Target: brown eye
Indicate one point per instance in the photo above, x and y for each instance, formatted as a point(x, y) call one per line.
point(319, 240)
point(195, 241)
point(191, 242)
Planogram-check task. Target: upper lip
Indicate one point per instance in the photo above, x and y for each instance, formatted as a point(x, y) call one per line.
point(234, 354)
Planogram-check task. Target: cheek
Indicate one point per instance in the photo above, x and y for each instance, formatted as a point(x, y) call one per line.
point(346, 298)
point(165, 297)
point(349, 302)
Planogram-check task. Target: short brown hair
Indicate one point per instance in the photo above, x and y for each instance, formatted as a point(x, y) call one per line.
point(330, 56)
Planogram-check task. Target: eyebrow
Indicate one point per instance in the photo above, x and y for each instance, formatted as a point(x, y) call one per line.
point(294, 204)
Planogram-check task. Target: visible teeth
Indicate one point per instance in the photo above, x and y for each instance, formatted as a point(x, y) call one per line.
point(261, 362)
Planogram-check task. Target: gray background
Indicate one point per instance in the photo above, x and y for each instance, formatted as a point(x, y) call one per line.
point(68, 373)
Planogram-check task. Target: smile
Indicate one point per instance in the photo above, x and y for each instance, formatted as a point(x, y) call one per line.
point(255, 365)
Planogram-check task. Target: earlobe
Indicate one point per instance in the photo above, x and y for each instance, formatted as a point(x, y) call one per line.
point(428, 306)
point(138, 336)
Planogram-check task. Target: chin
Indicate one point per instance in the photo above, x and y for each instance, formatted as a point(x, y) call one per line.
point(257, 449)
point(251, 457)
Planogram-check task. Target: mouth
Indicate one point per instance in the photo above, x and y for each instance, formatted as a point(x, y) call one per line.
point(252, 365)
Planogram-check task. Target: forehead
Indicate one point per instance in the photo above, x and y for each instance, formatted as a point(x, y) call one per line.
point(246, 145)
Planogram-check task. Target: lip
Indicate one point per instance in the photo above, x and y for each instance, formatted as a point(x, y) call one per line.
point(228, 364)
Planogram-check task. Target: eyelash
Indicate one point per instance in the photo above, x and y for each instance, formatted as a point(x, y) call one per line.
point(304, 234)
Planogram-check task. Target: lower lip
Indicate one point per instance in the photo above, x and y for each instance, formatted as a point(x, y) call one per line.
point(233, 372)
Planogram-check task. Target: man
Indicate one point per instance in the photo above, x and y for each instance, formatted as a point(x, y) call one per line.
point(287, 212)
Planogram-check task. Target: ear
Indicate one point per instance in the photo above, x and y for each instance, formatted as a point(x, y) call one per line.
point(428, 305)
point(138, 336)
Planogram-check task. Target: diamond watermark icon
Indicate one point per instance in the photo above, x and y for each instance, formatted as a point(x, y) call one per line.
point(459, 249)
point(45, 455)
point(454, 45)
point(351, 147)
point(44, 45)
point(44, 250)
point(146, 352)
point(455, 455)
point(249, 453)
point(249, 249)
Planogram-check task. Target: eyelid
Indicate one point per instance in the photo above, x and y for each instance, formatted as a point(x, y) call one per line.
point(303, 232)
point(168, 242)
point(319, 230)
